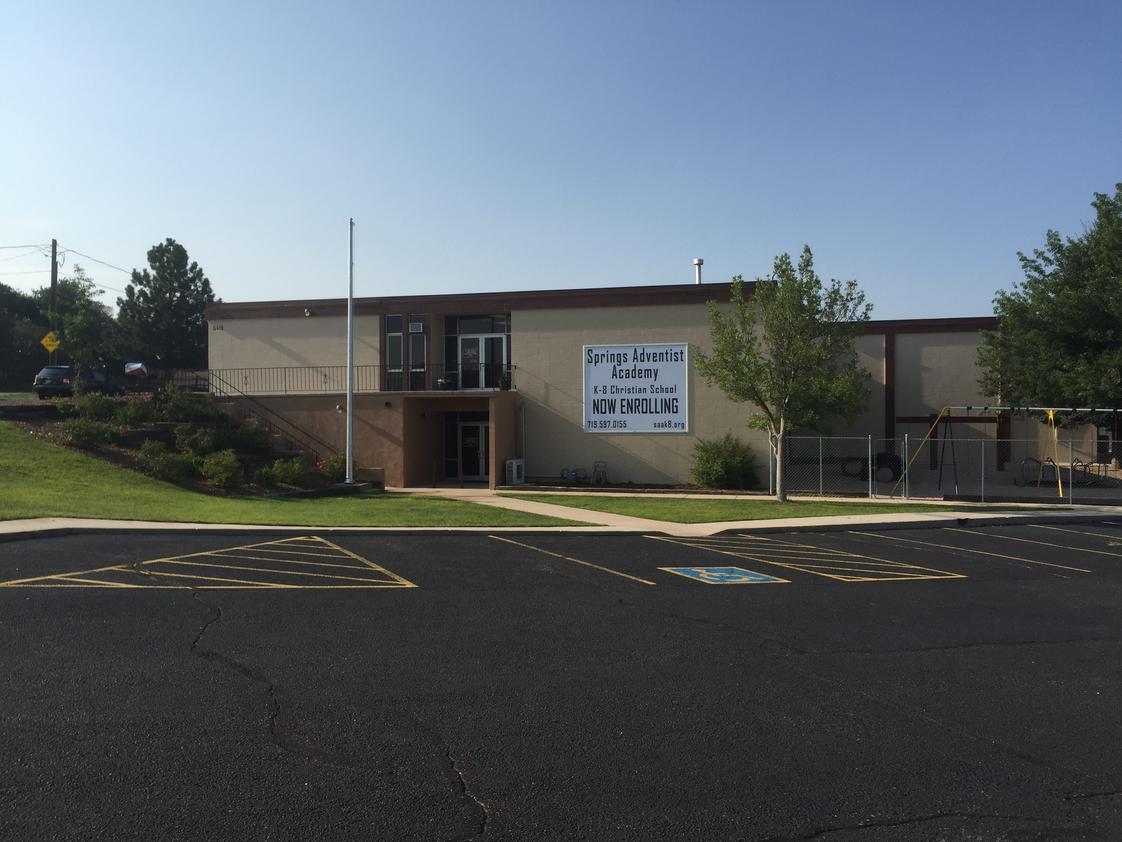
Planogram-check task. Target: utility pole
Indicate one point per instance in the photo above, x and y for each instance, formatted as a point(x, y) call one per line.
point(54, 292)
point(350, 361)
point(54, 280)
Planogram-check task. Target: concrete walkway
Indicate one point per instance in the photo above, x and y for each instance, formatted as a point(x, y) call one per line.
point(598, 522)
point(976, 513)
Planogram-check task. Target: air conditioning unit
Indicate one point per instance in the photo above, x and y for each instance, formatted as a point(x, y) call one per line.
point(515, 471)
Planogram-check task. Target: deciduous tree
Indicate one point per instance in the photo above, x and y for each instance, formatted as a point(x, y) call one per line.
point(86, 326)
point(787, 347)
point(1059, 335)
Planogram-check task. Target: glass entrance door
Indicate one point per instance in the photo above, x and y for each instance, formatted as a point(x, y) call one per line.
point(483, 361)
point(475, 450)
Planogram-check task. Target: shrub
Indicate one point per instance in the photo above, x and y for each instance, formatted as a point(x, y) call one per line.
point(334, 467)
point(156, 460)
point(177, 404)
point(95, 406)
point(265, 476)
point(243, 439)
point(84, 433)
point(290, 471)
point(136, 413)
point(198, 441)
point(223, 469)
point(723, 463)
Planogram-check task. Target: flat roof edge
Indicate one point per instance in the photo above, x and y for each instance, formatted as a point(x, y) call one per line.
point(482, 302)
point(549, 299)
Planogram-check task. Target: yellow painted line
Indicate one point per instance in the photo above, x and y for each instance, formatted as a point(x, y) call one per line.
point(286, 551)
point(747, 557)
point(852, 568)
point(95, 582)
point(219, 579)
point(64, 587)
point(14, 582)
point(405, 583)
point(780, 551)
point(263, 549)
point(1042, 543)
point(773, 545)
point(267, 570)
point(918, 572)
point(848, 554)
point(398, 581)
point(576, 560)
point(1116, 537)
point(276, 560)
point(796, 555)
point(969, 550)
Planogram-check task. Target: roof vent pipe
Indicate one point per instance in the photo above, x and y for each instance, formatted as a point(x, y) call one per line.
point(697, 263)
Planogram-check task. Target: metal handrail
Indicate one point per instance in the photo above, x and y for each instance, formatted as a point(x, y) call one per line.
point(307, 380)
point(277, 423)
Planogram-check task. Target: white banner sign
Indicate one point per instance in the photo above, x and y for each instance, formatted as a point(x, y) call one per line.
point(636, 388)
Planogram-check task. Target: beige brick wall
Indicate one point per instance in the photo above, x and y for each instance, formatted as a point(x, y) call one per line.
point(311, 341)
point(937, 369)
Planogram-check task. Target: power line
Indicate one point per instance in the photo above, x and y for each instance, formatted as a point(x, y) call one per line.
point(28, 246)
point(18, 256)
point(28, 272)
point(95, 260)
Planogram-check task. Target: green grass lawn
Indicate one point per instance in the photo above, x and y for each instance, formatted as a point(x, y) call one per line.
point(38, 479)
point(18, 397)
point(679, 510)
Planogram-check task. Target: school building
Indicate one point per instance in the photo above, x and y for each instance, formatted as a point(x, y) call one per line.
point(593, 383)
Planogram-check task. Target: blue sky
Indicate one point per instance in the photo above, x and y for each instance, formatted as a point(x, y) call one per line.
point(494, 146)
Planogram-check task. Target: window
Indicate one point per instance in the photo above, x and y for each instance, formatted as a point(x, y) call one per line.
point(394, 355)
point(416, 361)
point(477, 351)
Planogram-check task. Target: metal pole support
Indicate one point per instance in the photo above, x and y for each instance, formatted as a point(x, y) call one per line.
point(1070, 471)
point(869, 471)
point(820, 487)
point(907, 465)
point(983, 470)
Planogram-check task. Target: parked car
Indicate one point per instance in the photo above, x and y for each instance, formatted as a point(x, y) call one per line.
point(58, 381)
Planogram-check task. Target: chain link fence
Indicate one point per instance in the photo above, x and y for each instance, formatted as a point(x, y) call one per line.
point(966, 468)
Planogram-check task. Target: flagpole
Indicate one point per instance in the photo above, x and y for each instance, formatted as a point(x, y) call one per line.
point(350, 359)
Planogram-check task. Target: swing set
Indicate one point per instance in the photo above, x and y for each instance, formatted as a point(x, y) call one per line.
point(992, 414)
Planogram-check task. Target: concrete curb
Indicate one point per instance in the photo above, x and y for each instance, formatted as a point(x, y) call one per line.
point(683, 531)
point(928, 523)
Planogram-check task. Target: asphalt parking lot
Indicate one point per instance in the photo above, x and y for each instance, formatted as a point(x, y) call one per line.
point(899, 684)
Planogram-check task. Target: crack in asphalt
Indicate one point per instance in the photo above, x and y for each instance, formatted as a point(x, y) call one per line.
point(280, 726)
point(952, 647)
point(912, 820)
point(280, 723)
point(482, 812)
point(1110, 793)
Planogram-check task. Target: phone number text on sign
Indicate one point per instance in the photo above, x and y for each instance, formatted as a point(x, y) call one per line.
point(636, 388)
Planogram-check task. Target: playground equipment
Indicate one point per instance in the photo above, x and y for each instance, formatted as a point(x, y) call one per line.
point(1042, 471)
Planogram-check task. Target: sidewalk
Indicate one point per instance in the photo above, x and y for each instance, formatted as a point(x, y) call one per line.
point(602, 522)
point(974, 513)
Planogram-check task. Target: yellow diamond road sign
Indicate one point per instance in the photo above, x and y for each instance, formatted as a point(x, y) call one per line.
point(50, 341)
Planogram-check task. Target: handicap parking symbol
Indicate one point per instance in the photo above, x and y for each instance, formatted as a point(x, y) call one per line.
point(724, 575)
